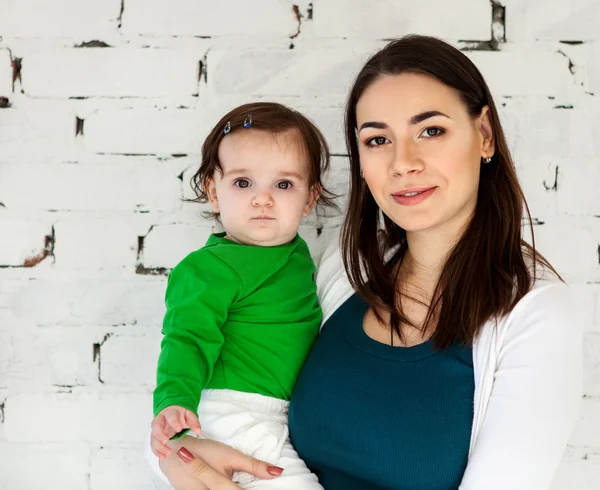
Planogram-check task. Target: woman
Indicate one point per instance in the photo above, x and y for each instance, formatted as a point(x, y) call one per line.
point(449, 356)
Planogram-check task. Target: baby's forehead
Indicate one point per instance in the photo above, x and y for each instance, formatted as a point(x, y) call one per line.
point(251, 144)
point(261, 139)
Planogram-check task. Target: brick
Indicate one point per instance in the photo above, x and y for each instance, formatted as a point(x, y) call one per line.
point(325, 72)
point(330, 120)
point(146, 131)
point(589, 304)
point(22, 240)
point(85, 300)
point(78, 417)
point(120, 468)
point(6, 74)
point(580, 469)
point(552, 20)
point(129, 357)
point(35, 128)
point(592, 68)
point(575, 256)
point(53, 357)
point(166, 245)
point(95, 244)
point(138, 186)
point(469, 19)
point(591, 358)
point(587, 431)
point(81, 19)
point(268, 18)
point(534, 72)
point(564, 134)
point(110, 72)
point(44, 466)
point(537, 176)
point(579, 181)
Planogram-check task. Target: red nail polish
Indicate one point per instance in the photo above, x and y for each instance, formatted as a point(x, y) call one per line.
point(274, 470)
point(185, 455)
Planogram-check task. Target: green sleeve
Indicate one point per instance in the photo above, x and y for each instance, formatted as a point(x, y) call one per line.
point(200, 292)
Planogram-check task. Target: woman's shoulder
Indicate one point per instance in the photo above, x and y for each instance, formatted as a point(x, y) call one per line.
point(548, 293)
point(546, 317)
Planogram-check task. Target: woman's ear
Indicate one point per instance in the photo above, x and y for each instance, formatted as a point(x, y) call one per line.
point(313, 197)
point(484, 124)
point(211, 193)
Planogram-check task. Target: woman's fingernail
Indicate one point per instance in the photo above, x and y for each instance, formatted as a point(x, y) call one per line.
point(274, 470)
point(185, 455)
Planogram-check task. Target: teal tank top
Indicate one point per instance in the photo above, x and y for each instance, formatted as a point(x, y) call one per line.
point(369, 416)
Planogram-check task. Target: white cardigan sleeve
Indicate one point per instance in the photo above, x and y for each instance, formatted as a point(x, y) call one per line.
point(535, 395)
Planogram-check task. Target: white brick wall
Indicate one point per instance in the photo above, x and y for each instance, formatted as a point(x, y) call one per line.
point(97, 145)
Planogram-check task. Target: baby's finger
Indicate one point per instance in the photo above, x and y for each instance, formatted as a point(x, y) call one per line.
point(158, 448)
point(173, 421)
point(170, 432)
point(159, 429)
point(191, 421)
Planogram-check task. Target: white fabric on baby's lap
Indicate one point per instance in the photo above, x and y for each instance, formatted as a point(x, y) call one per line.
point(256, 425)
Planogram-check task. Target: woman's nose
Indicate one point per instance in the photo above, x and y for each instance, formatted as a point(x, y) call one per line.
point(405, 160)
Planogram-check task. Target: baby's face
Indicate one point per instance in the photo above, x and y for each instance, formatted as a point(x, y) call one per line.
point(264, 191)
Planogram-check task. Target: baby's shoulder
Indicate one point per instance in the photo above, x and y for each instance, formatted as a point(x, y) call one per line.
point(205, 262)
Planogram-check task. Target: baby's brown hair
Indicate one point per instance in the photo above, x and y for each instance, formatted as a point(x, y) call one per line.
point(273, 118)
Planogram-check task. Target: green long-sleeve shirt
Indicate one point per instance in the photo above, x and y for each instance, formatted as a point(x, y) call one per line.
point(238, 317)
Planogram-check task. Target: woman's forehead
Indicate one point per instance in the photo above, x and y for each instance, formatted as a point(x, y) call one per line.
point(403, 96)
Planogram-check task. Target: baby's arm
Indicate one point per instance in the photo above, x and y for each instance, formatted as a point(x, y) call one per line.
point(200, 292)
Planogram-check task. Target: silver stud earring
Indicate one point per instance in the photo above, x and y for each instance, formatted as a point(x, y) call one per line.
point(487, 160)
point(227, 127)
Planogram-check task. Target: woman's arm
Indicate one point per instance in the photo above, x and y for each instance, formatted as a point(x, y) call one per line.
point(535, 396)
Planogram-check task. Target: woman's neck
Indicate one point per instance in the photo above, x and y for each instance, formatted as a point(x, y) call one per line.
point(428, 249)
point(427, 253)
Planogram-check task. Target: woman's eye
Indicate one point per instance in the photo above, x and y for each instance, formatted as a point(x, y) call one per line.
point(432, 132)
point(377, 141)
point(286, 184)
point(242, 183)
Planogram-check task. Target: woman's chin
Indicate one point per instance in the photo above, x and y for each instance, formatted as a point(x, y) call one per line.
point(415, 224)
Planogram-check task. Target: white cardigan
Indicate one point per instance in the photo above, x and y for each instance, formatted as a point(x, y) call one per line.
point(528, 383)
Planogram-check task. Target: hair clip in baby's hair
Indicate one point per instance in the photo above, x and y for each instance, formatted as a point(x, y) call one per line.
point(227, 127)
point(248, 121)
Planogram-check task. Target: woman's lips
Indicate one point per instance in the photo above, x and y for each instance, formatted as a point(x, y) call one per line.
point(412, 200)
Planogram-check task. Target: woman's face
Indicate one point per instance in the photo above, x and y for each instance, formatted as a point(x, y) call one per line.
point(420, 151)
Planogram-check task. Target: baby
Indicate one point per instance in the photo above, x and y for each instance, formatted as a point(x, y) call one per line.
point(242, 312)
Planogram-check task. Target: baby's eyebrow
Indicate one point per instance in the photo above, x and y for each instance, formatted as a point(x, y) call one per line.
point(292, 174)
point(234, 171)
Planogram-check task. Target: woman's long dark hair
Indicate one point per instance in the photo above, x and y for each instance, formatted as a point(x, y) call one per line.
point(491, 267)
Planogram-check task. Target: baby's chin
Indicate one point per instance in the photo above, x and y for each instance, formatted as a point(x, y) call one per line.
point(263, 238)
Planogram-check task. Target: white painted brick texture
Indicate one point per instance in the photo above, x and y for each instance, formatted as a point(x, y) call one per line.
point(104, 105)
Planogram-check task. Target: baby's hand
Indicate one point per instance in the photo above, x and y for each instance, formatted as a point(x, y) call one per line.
point(171, 421)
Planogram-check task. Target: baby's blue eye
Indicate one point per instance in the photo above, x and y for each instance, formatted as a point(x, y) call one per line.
point(242, 183)
point(286, 184)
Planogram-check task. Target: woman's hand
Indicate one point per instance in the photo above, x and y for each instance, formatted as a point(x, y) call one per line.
point(201, 464)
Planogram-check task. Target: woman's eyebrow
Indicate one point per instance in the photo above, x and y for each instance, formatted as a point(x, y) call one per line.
point(373, 124)
point(416, 119)
point(426, 115)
